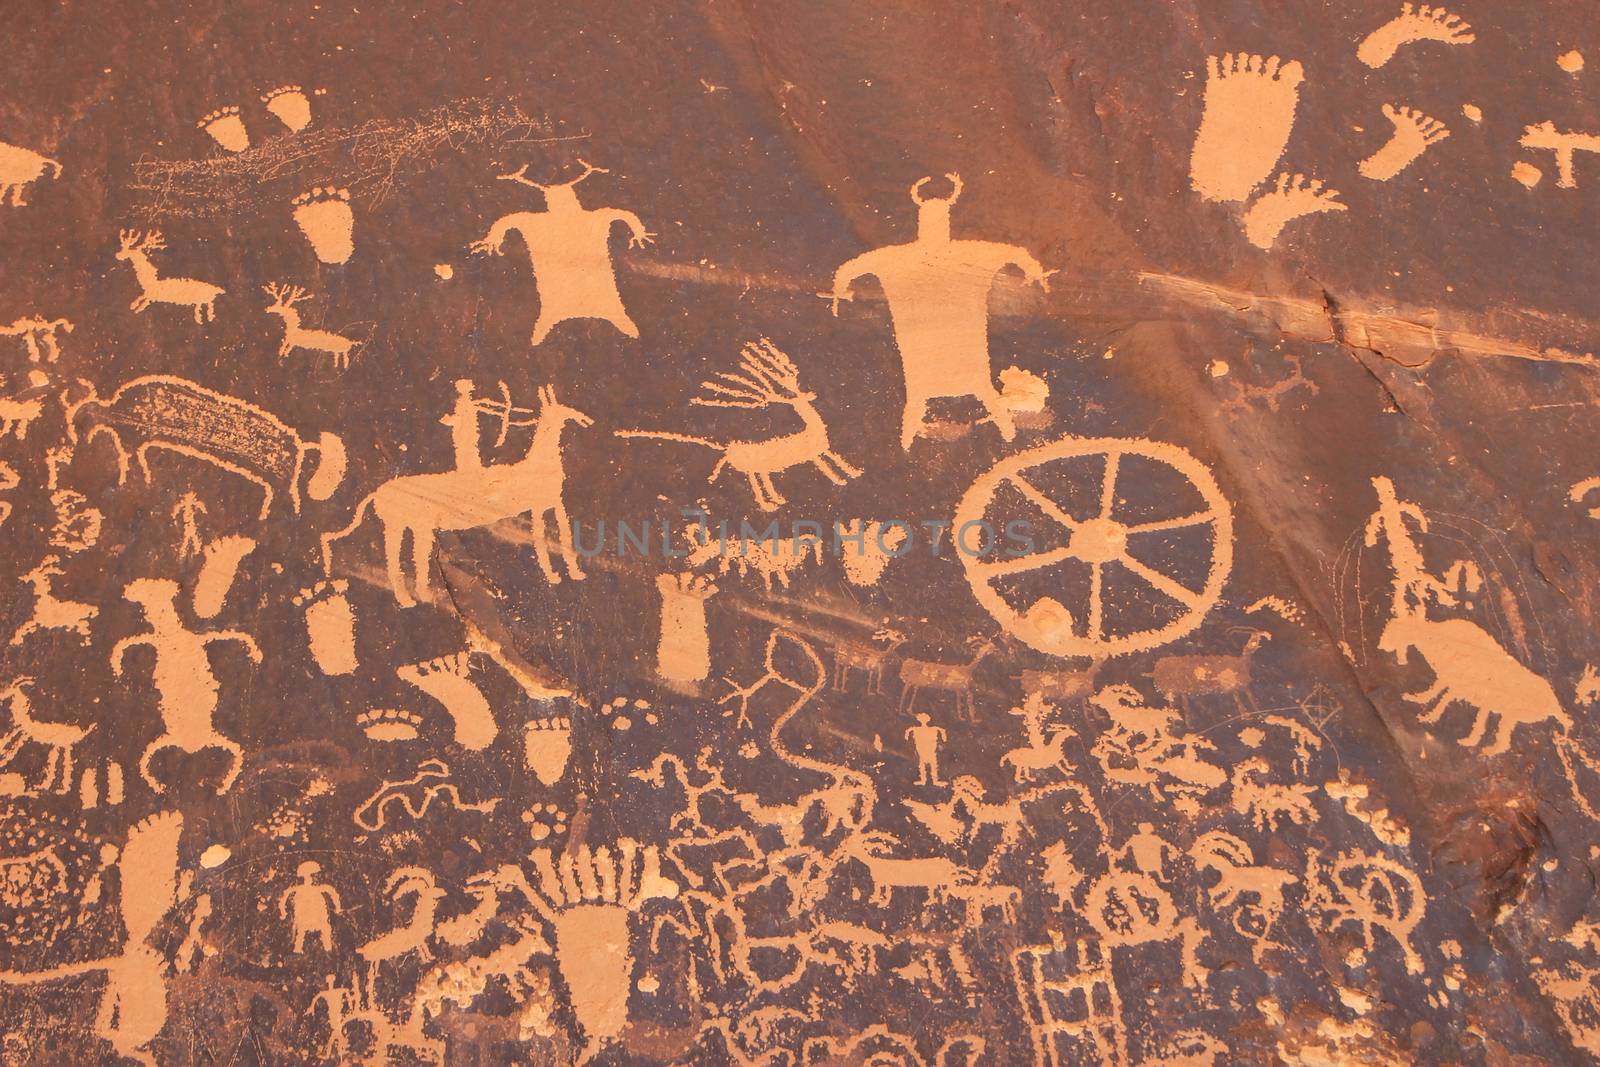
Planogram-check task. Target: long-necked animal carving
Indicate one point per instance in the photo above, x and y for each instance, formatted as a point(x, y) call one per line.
point(161, 413)
point(50, 612)
point(767, 378)
point(420, 505)
point(919, 674)
point(192, 293)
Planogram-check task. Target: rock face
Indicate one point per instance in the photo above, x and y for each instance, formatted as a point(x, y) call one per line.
point(791, 533)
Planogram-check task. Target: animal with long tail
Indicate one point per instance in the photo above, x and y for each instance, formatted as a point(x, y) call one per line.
point(418, 506)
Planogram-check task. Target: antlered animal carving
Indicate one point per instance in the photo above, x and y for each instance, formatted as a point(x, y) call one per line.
point(135, 250)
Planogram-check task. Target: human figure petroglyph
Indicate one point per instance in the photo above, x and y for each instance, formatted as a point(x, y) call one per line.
point(38, 336)
point(1045, 742)
point(568, 249)
point(421, 505)
point(50, 612)
point(133, 1004)
point(1413, 133)
point(938, 292)
point(186, 513)
point(19, 167)
point(335, 1002)
point(1373, 893)
point(1293, 196)
point(767, 378)
point(308, 906)
point(186, 687)
point(1248, 115)
point(925, 740)
point(160, 412)
point(1564, 144)
point(135, 249)
point(1468, 664)
point(284, 299)
point(59, 737)
point(1416, 22)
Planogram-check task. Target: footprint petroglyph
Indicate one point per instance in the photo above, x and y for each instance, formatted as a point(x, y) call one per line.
point(1248, 115)
point(1413, 133)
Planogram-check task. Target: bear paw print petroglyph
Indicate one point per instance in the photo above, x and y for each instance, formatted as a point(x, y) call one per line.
point(390, 724)
point(545, 821)
point(324, 217)
point(226, 128)
point(1413, 133)
point(291, 105)
point(1249, 113)
point(1414, 23)
point(547, 745)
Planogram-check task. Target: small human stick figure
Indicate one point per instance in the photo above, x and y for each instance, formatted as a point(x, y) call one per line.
point(569, 250)
point(183, 679)
point(925, 739)
point(186, 513)
point(938, 293)
point(308, 906)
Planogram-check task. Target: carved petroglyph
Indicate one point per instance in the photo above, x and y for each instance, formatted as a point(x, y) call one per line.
point(448, 679)
point(187, 689)
point(1468, 664)
point(133, 1005)
point(1249, 113)
point(219, 567)
point(135, 249)
point(414, 796)
point(1564, 144)
point(568, 249)
point(1293, 196)
point(38, 337)
point(1413, 133)
point(59, 738)
point(291, 105)
point(309, 906)
point(226, 128)
point(163, 413)
point(683, 652)
point(418, 506)
point(296, 336)
point(1099, 540)
point(954, 678)
point(50, 612)
point(324, 218)
point(330, 625)
point(938, 293)
point(1416, 22)
point(19, 167)
point(767, 378)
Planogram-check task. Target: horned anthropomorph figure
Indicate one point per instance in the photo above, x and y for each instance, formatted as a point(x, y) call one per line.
point(938, 293)
point(569, 250)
